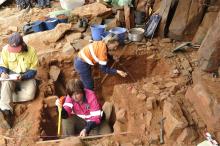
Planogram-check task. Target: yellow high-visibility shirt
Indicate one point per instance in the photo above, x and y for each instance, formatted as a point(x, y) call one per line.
point(19, 62)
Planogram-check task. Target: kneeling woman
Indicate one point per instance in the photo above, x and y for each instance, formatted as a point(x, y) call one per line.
point(81, 111)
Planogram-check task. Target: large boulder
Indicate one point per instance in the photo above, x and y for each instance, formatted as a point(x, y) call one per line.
point(186, 20)
point(204, 96)
point(207, 22)
point(175, 121)
point(42, 40)
point(209, 51)
point(92, 10)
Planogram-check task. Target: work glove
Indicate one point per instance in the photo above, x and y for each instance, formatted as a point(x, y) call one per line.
point(4, 75)
point(122, 73)
point(83, 133)
point(60, 101)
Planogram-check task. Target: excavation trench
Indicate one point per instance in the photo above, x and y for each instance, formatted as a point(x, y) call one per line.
point(137, 67)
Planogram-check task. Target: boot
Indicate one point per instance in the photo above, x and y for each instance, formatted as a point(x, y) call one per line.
point(5, 119)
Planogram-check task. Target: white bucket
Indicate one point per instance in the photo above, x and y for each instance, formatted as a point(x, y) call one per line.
point(71, 4)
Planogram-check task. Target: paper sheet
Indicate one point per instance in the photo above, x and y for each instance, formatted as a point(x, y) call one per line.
point(11, 77)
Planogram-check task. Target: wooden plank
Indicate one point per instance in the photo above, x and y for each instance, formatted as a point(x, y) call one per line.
point(84, 138)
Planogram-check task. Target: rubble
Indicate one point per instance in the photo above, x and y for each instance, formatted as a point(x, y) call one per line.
point(175, 121)
point(166, 40)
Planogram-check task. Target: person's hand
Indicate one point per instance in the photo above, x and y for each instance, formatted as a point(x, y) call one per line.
point(57, 103)
point(122, 73)
point(19, 77)
point(4, 75)
point(83, 133)
point(60, 101)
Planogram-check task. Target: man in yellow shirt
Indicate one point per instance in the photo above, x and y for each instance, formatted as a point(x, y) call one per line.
point(19, 59)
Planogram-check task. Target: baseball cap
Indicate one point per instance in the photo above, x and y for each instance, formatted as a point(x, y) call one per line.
point(15, 42)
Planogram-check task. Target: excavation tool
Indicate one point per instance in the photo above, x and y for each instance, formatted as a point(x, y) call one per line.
point(162, 130)
point(59, 121)
point(62, 99)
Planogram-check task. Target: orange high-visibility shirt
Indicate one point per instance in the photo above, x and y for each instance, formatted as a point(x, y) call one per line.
point(93, 53)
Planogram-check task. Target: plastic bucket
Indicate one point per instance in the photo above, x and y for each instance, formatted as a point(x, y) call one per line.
point(120, 31)
point(38, 26)
point(97, 32)
point(71, 4)
point(51, 23)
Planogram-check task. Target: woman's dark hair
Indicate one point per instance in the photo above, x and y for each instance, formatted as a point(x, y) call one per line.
point(74, 86)
point(24, 47)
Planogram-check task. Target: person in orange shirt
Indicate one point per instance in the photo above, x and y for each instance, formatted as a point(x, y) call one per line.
point(96, 53)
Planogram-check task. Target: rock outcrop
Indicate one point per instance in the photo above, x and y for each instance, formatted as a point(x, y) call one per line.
point(186, 20)
point(209, 51)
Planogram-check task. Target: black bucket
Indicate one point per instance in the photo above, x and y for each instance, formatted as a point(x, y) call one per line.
point(139, 17)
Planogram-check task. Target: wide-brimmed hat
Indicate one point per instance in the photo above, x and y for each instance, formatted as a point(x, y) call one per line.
point(15, 42)
point(110, 37)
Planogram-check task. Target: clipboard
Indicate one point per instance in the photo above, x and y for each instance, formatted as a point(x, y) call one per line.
point(12, 77)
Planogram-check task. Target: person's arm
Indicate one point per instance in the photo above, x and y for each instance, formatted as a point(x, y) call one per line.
point(4, 61)
point(32, 71)
point(29, 74)
point(108, 70)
